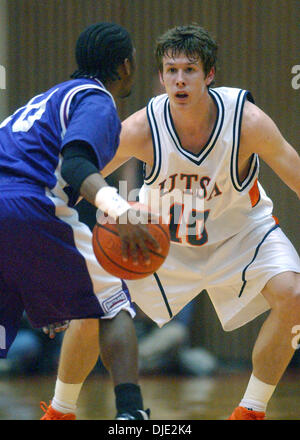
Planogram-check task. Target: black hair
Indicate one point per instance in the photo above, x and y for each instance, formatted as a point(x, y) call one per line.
point(100, 49)
point(192, 40)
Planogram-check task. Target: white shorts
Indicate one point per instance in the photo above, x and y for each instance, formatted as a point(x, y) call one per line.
point(233, 273)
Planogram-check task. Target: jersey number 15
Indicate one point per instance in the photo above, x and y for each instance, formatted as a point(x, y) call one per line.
point(188, 225)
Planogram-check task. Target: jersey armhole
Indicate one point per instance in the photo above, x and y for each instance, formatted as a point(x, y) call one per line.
point(249, 180)
point(154, 172)
point(67, 100)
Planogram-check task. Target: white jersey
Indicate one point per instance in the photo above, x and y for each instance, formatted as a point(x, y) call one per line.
point(224, 237)
point(200, 195)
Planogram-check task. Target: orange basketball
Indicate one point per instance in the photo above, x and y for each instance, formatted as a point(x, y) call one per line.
point(108, 251)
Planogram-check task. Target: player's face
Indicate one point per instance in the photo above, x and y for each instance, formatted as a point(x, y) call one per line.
point(184, 79)
point(128, 80)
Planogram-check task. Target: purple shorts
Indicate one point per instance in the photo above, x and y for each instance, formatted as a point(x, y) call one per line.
point(47, 266)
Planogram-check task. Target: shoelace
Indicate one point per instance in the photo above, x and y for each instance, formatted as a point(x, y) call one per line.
point(44, 407)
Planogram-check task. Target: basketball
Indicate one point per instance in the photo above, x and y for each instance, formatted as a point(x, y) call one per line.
point(108, 251)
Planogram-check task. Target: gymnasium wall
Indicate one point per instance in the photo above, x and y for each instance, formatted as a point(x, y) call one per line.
point(259, 44)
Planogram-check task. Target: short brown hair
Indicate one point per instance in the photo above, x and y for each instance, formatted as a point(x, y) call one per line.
point(192, 40)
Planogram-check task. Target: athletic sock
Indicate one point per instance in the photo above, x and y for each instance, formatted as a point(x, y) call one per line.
point(257, 395)
point(65, 396)
point(128, 397)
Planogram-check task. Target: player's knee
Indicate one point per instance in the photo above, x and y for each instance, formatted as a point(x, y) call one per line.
point(288, 304)
point(293, 297)
point(293, 288)
point(118, 330)
point(87, 327)
point(283, 291)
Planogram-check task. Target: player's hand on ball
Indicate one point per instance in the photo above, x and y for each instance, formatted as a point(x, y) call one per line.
point(136, 236)
point(134, 246)
point(57, 327)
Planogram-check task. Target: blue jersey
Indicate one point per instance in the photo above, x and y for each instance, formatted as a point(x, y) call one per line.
point(47, 265)
point(31, 140)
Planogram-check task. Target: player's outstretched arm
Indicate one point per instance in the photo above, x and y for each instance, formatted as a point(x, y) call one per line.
point(260, 135)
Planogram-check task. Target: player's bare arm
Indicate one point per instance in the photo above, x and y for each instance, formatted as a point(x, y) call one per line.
point(135, 141)
point(259, 134)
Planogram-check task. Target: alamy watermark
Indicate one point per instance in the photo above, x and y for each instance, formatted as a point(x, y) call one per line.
point(296, 79)
point(2, 77)
point(185, 209)
point(296, 338)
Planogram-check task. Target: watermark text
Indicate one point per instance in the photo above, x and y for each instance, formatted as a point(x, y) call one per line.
point(296, 79)
point(2, 77)
point(296, 338)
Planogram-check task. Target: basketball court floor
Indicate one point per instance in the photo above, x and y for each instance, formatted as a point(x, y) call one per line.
point(169, 397)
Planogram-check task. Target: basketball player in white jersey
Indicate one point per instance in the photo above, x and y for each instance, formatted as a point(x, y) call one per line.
point(201, 149)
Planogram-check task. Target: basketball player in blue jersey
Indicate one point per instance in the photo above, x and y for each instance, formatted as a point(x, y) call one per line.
point(201, 149)
point(51, 151)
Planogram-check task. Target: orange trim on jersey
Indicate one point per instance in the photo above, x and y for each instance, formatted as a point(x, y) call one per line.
point(276, 220)
point(254, 194)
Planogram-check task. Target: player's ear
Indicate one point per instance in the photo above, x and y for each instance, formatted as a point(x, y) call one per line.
point(127, 66)
point(210, 76)
point(161, 79)
point(130, 64)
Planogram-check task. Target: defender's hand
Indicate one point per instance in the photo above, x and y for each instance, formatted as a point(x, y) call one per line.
point(57, 327)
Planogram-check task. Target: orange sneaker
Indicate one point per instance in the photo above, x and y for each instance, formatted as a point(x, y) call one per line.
point(52, 414)
point(241, 413)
